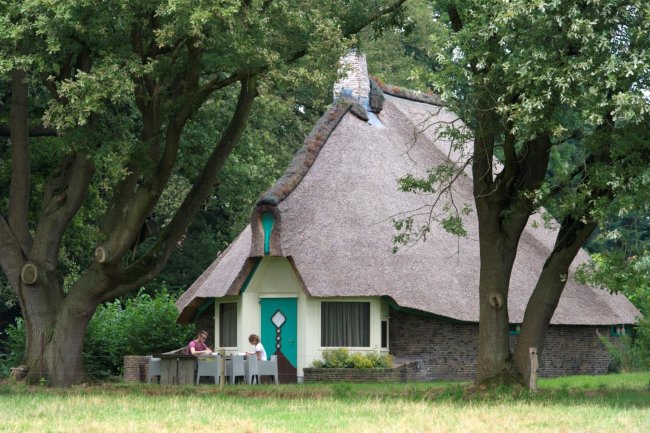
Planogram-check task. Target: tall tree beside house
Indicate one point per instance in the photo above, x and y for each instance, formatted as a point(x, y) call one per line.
point(531, 81)
point(119, 82)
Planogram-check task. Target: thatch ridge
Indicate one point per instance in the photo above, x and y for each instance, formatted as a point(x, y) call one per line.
point(411, 95)
point(306, 156)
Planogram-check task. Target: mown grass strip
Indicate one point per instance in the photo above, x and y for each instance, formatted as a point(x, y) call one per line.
point(607, 404)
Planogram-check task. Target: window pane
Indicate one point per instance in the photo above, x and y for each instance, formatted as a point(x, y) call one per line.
point(384, 334)
point(345, 324)
point(228, 325)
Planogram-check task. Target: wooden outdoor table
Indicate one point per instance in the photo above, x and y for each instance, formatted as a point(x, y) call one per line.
point(177, 369)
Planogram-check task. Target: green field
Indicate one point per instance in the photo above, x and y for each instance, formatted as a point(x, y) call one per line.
point(616, 403)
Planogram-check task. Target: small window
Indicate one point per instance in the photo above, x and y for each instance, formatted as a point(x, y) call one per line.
point(617, 331)
point(515, 329)
point(384, 334)
point(345, 324)
point(228, 324)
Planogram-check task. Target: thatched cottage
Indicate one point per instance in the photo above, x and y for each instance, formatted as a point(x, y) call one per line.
point(314, 269)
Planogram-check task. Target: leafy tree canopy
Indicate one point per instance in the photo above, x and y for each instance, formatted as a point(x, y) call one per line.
point(114, 90)
point(554, 101)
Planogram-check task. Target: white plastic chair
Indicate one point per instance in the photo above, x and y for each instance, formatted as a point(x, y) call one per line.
point(209, 366)
point(268, 368)
point(154, 368)
point(252, 369)
point(235, 368)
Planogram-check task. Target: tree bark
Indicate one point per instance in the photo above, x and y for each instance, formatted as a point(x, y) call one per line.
point(503, 211)
point(497, 258)
point(548, 290)
point(55, 328)
point(20, 158)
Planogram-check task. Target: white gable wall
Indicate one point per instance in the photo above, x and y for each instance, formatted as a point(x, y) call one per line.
point(274, 277)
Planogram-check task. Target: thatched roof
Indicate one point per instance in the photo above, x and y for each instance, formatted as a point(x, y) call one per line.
point(333, 211)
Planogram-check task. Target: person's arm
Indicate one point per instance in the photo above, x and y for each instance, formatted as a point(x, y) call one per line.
point(258, 352)
point(195, 352)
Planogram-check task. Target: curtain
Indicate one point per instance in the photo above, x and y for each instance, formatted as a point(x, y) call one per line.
point(228, 325)
point(345, 324)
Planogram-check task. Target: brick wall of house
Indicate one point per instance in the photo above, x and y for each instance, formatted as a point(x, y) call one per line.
point(431, 348)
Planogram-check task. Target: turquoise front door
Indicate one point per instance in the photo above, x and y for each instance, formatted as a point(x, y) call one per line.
point(279, 334)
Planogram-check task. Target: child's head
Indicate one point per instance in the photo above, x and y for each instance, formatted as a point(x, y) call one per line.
point(253, 339)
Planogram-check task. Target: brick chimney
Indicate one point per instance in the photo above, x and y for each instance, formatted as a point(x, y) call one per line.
point(353, 82)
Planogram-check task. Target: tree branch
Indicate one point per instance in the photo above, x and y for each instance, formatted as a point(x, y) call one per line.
point(20, 162)
point(534, 157)
point(454, 16)
point(215, 84)
point(357, 27)
point(34, 131)
point(64, 195)
point(149, 264)
point(219, 82)
point(482, 158)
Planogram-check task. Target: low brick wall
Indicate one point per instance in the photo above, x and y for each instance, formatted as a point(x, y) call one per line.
point(411, 372)
point(135, 368)
point(351, 375)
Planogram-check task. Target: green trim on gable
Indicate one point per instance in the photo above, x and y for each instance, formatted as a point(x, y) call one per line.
point(250, 275)
point(202, 308)
point(267, 223)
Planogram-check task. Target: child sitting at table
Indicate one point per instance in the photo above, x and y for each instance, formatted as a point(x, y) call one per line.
point(254, 339)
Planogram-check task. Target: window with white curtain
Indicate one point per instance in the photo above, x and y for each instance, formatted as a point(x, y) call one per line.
point(345, 324)
point(228, 324)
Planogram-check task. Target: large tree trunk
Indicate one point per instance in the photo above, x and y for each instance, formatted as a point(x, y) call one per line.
point(502, 212)
point(55, 327)
point(497, 258)
point(40, 303)
point(63, 354)
point(548, 290)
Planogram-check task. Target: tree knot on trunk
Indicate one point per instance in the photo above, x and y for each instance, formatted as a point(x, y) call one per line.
point(29, 273)
point(102, 255)
point(496, 300)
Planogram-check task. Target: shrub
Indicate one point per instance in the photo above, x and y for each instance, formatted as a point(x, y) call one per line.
point(359, 360)
point(336, 358)
point(380, 361)
point(341, 358)
point(633, 353)
point(141, 325)
point(14, 342)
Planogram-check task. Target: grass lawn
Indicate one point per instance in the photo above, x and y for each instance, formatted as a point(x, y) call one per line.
point(615, 403)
